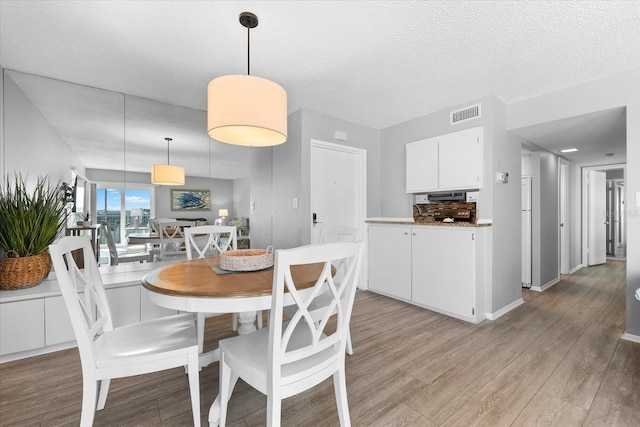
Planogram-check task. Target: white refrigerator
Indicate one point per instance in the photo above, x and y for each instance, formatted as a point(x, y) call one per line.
point(526, 232)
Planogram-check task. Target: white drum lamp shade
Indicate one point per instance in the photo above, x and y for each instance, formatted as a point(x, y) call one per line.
point(223, 213)
point(167, 175)
point(246, 110)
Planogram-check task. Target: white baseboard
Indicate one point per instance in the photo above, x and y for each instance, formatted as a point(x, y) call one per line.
point(36, 352)
point(576, 268)
point(505, 310)
point(631, 337)
point(546, 285)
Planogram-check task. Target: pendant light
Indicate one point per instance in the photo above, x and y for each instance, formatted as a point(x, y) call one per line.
point(247, 110)
point(167, 174)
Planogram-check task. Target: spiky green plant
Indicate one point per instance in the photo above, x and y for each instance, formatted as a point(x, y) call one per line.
point(30, 220)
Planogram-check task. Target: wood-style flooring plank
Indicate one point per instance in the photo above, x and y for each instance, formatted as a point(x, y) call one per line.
point(546, 410)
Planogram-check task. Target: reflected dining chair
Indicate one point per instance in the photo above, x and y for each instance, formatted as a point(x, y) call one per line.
point(107, 352)
point(212, 240)
point(289, 357)
point(116, 257)
point(172, 240)
point(331, 234)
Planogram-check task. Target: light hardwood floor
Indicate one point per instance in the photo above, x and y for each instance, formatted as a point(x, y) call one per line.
point(556, 360)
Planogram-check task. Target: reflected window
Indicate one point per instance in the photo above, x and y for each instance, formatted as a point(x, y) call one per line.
point(109, 208)
point(126, 210)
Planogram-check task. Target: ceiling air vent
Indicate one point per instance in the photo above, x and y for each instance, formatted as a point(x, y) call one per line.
point(465, 114)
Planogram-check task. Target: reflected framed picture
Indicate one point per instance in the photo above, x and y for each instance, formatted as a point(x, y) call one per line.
point(190, 200)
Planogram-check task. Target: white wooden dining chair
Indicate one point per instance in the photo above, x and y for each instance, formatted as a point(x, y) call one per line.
point(300, 353)
point(172, 240)
point(107, 352)
point(116, 257)
point(331, 234)
point(154, 226)
point(211, 240)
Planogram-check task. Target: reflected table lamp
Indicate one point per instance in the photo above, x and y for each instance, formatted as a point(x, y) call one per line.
point(136, 214)
point(223, 213)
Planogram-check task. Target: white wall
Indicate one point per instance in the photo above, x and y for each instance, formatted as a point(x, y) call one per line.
point(620, 90)
point(32, 146)
point(544, 219)
point(505, 149)
point(241, 198)
point(261, 187)
point(3, 153)
point(288, 223)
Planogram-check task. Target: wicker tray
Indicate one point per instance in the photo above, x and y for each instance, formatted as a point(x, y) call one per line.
point(247, 259)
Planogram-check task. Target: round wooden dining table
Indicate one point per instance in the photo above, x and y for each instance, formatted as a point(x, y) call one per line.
point(200, 286)
point(195, 286)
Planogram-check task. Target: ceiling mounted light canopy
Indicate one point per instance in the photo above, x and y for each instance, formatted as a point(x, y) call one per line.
point(247, 110)
point(167, 174)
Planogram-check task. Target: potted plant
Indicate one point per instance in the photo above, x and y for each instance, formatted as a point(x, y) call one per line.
point(85, 220)
point(29, 222)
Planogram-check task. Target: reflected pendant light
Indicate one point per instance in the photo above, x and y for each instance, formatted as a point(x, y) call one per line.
point(167, 174)
point(247, 110)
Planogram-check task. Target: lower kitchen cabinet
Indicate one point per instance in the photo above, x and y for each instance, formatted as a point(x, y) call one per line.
point(390, 261)
point(442, 267)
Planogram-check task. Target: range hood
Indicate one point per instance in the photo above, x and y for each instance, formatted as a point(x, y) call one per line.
point(455, 196)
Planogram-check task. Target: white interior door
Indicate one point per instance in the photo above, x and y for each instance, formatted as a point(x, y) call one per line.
point(564, 217)
point(597, 245)
point(338, 178)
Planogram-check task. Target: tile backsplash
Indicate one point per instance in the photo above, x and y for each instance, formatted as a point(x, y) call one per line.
point(424, 212)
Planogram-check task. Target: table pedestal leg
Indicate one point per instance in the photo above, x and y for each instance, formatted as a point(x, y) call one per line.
point(247, 322)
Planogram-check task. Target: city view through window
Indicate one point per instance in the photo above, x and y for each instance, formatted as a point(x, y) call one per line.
point(115, 205)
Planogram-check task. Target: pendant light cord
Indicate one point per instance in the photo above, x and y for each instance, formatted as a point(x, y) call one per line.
point(248, 51)
point(168, 140)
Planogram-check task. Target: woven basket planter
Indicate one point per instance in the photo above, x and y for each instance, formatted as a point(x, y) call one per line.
point(247, 259)
point(24, 272)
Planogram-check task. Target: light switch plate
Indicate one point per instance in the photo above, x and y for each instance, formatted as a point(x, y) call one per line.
point(502, 177)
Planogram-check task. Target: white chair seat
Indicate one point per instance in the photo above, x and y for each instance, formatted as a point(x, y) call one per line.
point(139, 341)
point(247, 358)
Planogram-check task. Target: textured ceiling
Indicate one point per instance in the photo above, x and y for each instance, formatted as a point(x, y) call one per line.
point(374, 63)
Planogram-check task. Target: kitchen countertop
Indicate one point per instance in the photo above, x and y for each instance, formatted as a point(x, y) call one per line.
point(433, 224)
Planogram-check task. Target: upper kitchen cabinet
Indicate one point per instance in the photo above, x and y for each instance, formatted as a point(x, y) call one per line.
point(447, 162)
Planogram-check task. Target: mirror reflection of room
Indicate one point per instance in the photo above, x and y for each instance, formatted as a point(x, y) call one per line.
point(104, 144)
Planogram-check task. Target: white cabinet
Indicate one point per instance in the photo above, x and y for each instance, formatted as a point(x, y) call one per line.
point(21, 326)
point(57, 325)
point(390, 261)
point(447, 162)
point(149, 310)
point(443, 273)
point(124, 303)
point(436, 267)
point(422, 165)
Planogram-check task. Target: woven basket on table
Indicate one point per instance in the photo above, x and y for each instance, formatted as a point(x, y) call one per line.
point(23, 272)
point(247, 259)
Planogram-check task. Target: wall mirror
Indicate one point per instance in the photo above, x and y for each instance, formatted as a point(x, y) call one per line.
point(111, 140)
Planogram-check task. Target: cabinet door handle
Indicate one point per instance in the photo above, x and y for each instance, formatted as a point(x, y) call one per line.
point(406, 233)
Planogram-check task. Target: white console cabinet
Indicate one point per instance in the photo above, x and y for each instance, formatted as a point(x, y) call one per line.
point(446, 162)
point(441, 268)
point(35, 321)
